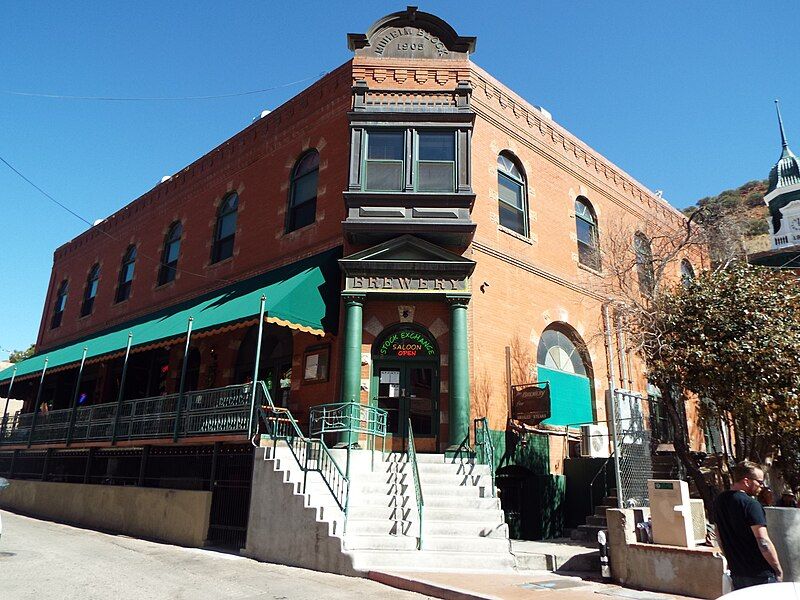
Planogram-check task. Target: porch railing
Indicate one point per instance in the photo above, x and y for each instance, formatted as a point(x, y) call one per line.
point(218, 411)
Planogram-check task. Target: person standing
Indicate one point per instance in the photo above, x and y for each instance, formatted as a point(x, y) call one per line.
point(742, 530)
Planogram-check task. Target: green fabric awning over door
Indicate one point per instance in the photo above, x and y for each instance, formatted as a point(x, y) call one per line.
point(303, 295)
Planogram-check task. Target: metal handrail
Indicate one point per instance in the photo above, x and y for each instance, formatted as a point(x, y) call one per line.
point(412, 458)
point(311, 454)
point(351, 417)
point(602, 469)
point(483, 440)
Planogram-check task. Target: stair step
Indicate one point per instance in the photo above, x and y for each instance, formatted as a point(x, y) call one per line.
point(595, 520)
point(420, 560)
point(486, 517)
point(430, 528)
point(460, 502)
point(380, 542)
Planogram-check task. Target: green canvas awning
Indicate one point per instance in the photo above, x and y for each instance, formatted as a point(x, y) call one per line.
point(303, 295)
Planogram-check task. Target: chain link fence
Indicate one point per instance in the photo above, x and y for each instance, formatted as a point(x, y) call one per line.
point(634, 462)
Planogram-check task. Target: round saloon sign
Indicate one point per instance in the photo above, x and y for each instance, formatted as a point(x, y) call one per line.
point(407, 343)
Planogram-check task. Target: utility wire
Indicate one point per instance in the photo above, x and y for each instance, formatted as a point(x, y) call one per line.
point(159, 98)
point(100, 229)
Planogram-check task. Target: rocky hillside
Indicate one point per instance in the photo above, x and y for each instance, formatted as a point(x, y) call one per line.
point(745, 202)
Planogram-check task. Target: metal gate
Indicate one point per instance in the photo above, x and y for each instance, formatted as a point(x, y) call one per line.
point(632, 444)
point(231, 477)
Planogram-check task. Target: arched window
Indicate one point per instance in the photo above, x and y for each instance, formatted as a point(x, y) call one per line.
point(303, 192)
point(558, 352)
point(126, 274)
point(90, 291)
point(225, 230)
point(586, 228)
point(169, 256)
point(61, 303)
point(687, 273)
point(644, 263)
point(512, 199)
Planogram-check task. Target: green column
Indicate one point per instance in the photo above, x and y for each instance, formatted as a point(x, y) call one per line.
point(459, 371)
point(351, 359)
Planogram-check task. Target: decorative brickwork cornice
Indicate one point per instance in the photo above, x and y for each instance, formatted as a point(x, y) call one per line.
point(497, 103)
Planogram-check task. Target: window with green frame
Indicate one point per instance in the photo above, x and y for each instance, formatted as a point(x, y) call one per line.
point(434, 160)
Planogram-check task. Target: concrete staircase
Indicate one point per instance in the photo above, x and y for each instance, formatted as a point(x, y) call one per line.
point(462, 524)
point(596, 522)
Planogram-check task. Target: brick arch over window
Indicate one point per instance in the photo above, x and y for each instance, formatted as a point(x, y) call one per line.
point(225, 228)
point(512, 193)
point(563, 361)
point(90, 291)
point(643, 252)
point(587, 233)
point(170, 253)
point(60, 304)
point(126, 274)
point(302, 209)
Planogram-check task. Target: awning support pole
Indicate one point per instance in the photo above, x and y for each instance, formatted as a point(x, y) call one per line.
point(36, 403)
point(250, 432)
point(121, 389)
point(5, 410)
point(75, 398)
point(179, 408)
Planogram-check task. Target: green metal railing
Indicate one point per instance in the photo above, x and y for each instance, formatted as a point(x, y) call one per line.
point(311, 454)
point(412, 459)
point(349, 417)
point(484, 447)
point(216, 411)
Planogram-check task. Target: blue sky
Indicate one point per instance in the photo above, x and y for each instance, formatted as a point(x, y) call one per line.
point(678, 94)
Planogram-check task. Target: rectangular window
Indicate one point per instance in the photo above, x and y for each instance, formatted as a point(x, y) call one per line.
point(315, 364)
point(436, 161)
point(384, 165)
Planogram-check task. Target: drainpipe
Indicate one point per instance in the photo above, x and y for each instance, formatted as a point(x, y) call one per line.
point(612, 401)
point(623, 356)
point(5, 410)
point(257, 361)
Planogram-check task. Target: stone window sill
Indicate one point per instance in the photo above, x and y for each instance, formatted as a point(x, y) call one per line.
point(514, 234)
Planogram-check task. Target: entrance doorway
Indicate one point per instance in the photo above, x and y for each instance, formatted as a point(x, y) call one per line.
point(405, 383)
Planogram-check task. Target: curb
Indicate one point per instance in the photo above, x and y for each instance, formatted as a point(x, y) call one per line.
point(428, 588)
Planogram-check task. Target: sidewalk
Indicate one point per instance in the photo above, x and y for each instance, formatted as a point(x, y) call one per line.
point(520, 585)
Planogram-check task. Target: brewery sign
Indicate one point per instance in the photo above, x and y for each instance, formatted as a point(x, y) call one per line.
point(530, 403)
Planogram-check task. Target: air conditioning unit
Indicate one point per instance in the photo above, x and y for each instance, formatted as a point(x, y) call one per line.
point(594, 441)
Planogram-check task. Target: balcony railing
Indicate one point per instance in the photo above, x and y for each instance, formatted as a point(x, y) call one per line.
point(219, 411)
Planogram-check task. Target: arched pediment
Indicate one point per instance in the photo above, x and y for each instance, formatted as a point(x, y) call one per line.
point(411, 34)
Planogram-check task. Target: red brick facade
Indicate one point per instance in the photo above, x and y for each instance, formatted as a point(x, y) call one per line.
point(521, 284)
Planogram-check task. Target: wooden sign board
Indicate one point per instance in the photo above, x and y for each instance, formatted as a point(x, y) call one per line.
point(530, 403)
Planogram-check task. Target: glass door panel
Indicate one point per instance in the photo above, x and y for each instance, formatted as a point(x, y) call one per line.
point(389, 397)
point(420, 399)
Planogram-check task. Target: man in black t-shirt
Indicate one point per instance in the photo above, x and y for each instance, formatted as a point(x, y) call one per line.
point(742, 530)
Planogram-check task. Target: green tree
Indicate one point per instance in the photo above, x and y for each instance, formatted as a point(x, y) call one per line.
point(19, 355)
point(732, 337)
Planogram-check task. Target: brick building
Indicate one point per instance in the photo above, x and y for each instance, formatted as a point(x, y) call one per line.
point(407, 217)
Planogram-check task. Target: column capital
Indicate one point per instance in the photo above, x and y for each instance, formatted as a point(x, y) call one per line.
point(457, 300)
point(353, 298)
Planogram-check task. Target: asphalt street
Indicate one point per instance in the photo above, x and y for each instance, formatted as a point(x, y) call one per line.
point(42, 560)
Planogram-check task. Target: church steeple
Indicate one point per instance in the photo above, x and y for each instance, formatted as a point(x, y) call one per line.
point(784, 143)
point(786, 171)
